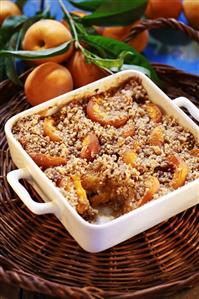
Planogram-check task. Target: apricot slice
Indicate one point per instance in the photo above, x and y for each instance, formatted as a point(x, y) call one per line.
point(152, 185)
point(83, 203)
point(129, 132)
point(100, 198)
point(129, 157)
point(154, 112)
point(180, 173)
point(66, 183)
point(91, 147)
point(50, 130)
point(46, 161)
point(157, 136)
point(90, 181)
point(108, 193)
point(97, 112)
point(136, 145)
point(195, 152)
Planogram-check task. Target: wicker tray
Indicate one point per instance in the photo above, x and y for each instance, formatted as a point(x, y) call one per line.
point(37, 253)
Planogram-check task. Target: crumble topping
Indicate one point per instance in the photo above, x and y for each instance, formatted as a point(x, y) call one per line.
point(116, 149)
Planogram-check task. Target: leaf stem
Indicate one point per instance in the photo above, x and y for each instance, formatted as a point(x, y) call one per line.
point(42, 5)
point(71, 23)
point(88, 55)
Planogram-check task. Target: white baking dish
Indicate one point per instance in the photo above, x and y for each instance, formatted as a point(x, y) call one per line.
point(98, 237)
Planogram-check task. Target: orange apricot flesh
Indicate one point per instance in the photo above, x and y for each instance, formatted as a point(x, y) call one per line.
point(97, 113)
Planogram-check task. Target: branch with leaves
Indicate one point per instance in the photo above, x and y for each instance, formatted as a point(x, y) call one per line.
point(107, 53)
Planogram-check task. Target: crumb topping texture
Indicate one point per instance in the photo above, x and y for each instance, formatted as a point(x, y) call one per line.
point(114, 150)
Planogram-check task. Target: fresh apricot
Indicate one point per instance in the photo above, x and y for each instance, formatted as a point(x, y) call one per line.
point(191, 11)
point(82, 72)
point(97, 112)
point(50, 130)
point(163, 8)
point(47, 81)
point(46, 34)
point(152, 186)
point(157, 136)
point(154, 112)
point(116, 32)
point(180, 171)
point(7, 9)
point(90, 147)
point(46, 161)
point(139, 42)
point(80, 14)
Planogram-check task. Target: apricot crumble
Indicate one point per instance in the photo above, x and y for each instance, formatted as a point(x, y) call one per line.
point(115, 149)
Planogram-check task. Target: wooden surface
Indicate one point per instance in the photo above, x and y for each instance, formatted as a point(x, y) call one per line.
point(7, 292)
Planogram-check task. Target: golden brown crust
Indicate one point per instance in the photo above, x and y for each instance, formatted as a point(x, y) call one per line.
point(124, 156)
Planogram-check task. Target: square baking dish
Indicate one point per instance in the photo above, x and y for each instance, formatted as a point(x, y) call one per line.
point(98, 237)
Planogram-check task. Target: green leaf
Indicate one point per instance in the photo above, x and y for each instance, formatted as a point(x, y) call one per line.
point(116, 12)
point(13, 24)
point(14, 21)
point(107, 63)
point(21, 3)
point(80, 28)
point(29, 55)
point(11, 71)
point(89, 5)
point(9, 62)
point(10, 26)
point(113, 48)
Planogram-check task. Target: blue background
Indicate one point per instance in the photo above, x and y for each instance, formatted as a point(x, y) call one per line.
point(165, 45)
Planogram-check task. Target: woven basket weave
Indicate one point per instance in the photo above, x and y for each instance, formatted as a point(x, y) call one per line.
point(37, 253)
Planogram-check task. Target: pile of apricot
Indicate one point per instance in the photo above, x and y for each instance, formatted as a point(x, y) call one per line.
point(59, 74)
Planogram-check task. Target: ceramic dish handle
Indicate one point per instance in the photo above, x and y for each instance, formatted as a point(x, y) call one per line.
point(184, 102)
point(13, 178)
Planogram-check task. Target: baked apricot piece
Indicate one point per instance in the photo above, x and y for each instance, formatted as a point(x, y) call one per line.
point(90, 181)
point(129, 157)
point(67, 182)
point(152, 186)
point(128, 132)
point(180, 173)
point(46, 161)
point(136, 145)
point(154, 112)
point(83, 203)
point(96, 112)
point(50, 130)
point(100, 198)
point(105, 195)
point(157, 136)
point(90, 147)
point(195, 152)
